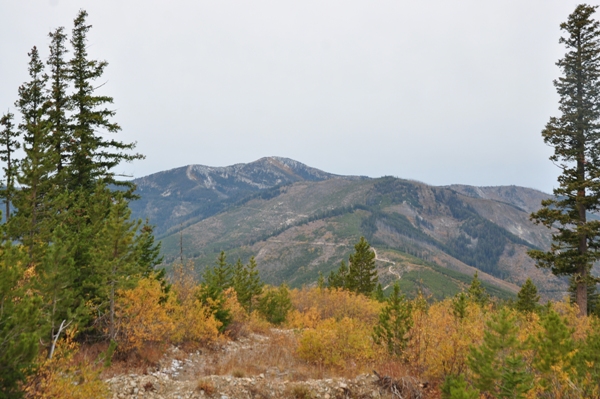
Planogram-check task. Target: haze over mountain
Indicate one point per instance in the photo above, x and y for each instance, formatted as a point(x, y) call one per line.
point(299, 221)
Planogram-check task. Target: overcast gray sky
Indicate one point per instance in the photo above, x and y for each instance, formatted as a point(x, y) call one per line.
point(438, 91)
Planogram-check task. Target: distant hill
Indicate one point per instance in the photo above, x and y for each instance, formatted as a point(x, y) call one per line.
point(299, 221)
point(191, 193)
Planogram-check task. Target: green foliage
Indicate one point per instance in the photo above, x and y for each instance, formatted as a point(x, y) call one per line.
point(8, 145)
point(553, 349)
point(378, 294)
point(476, 292)
point(338, 278)
point(459, 305)
point(93, 157)
point(362, 273)
point(275, 304)
point(19, 322)
point(497, 364)
point(587, 360)
point(395, 322)
point(215, 281)
point(574, 137)
point(455, 387)
point(247, 284)
point(527, 297)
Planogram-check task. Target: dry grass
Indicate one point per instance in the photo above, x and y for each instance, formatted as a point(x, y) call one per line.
point(206, 386)
point(299, 392)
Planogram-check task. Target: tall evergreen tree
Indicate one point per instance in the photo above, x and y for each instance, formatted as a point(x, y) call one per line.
point(247, 284)
point(338, 278)
point(476, 291)
point(527, 297)
point(362, 273)
point(215, 281)
point(59, 103)
point(575, 136)
point(115, 257)
point(93, 158)
point(30, 223)
point(8, 145)
point(395, 321)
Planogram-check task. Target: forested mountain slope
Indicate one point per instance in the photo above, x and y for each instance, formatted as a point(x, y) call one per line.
point(299, 221)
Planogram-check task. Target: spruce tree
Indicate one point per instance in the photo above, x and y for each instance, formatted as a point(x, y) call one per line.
point(338, 278)
point(575, 136)
point(362, 273)
point(59, 102)
point(498, 367)
point(247, 284)
point(476, 291)
point(527, 297)
point(93, 158)
point(395, 321)
point(459, 306)
point(275, 304)
point(19, 322)
point(554, 350)
point(115, 257)
point(215, 281)
point(30, 224)
point(8, 145)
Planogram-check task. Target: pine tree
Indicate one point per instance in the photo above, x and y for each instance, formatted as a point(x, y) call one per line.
point(215, 281)
point(19, 322)
point(362, 273)
point(56, 283)
point(8, 145)
point(498, 367)
point(275, 304)
point(378, 294)
point(395, 321)
point(30, 224)
point(93, 158)
point(115, 256)
point(247, 284)
point(459, 306)
point(553, 350)
point(59, 103)
point(527, 297)
point(455, 387)
point(476, 291)
point(576, 141)
point(338, 278)
point(149, 256)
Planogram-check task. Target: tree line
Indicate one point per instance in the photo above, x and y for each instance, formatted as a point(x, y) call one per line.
point(68, 243)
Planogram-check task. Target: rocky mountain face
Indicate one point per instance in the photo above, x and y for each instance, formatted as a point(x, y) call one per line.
point(191, 193)
point(298, 222)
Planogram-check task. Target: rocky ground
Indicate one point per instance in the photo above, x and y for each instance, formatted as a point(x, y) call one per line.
point(217, 374)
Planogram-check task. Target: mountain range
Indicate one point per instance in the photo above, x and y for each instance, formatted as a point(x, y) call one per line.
point(300, 222)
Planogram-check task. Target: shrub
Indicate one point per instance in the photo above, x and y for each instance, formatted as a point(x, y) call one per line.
point(142, 318)
point(275, 304)
point(343, 343)
point(62, 377)
point(320, 304)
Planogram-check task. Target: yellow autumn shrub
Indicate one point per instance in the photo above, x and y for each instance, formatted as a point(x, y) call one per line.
point(193, 323)
point(63, 377)
point(336, 304)
point(144, 316)
point(344, 343)
point(440, 342)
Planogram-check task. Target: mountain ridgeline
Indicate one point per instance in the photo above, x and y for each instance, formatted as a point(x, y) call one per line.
point(299, 221)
